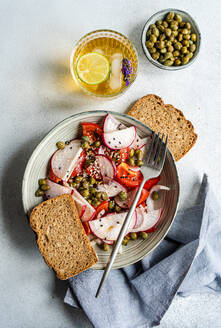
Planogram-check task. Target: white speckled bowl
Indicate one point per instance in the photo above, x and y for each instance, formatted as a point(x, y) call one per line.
point(160, 15)
point(68, 129)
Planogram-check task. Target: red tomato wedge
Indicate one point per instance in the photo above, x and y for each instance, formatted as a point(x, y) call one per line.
point(144, 194)
point(90, 130)
point(80, 165)
point(128, 177)
point(124, 153)
point(101, 209)
point(86, 228)
point(152, 182)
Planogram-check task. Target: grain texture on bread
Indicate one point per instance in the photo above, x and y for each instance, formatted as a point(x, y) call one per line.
point(167, 119)
point(61, 237)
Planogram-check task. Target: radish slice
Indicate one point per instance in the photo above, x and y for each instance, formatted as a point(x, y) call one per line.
point(56, 190)
point(112, 189)
point(64, 160)
point(89, 212)
point(156, 204)
point(120, 139)
point(106, 167)
point(140, 142)
point(111, 124)
point(109, 242)
point(109, 226)
point(126, 203)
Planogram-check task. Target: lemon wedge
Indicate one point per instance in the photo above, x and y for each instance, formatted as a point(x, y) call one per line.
point(93, 68)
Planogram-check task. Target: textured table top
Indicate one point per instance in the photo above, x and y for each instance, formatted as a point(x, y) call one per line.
point(36, 92)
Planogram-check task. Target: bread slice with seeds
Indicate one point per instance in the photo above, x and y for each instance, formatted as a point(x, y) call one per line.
point(61, 238)
point(166, 119)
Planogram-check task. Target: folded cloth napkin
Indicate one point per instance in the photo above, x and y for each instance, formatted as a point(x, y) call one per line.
point(187, 261)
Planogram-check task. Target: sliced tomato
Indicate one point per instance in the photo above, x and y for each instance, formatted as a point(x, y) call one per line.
point(102, 208)
point(124, 153)
point(91, 130)
point(80, 165)
point(128, 177)
point(144, 194)
point(152, 182)
point(86, 227)
point(151, 230)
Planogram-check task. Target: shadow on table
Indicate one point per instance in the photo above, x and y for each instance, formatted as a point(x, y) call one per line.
point(15, 221)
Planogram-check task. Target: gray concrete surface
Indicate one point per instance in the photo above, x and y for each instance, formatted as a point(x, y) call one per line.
point(36, 92)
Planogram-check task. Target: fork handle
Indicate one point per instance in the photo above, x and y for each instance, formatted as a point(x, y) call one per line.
point(120, 237)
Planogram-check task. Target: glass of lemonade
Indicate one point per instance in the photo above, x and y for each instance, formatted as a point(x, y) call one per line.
point(104, 63)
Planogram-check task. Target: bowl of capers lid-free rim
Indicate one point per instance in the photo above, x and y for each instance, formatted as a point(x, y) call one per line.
point(161, 15)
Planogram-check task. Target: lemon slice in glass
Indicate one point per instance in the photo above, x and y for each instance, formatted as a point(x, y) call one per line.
point(93, 68)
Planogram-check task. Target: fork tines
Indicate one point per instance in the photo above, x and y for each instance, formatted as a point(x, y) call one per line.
point(157, 150)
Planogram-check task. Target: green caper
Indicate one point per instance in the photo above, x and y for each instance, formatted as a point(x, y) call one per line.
point(190, 42)
point(185, 60)
point(89, 201)
point(131, 161)
point(117, 208)
point(178, 18)
point(149, 44)
point(170, 16)
point(159, 22)
point(123, 195)
point(161, 28)
point(152, 50)
point(133, 235)
point(78, 179)
point(185, 43)
point(153, 38)
point(97, 144)
point(85, 145)
point(185, 31)
point(92, 181)
point(85, 184)
point(139, 162)
point(111, 205)
point(138, 153)
point(174, 27)
point(178, 46)
point(44, 187)
point(42, 181)
point(177, 62)
point(39, 193)
point(170, 49)
point(156, 56)
point(106, 247)
point(188, 25)
point(175, 33)
point(165, 24)
point(162, 37)
point(186, 36)
point(104, 196)
point(193, 37)
point(155, 31)
point(182, 24)
point(193, 48)
point(127, 237)
point(152, 26)
point(60, 145)
point(168, 62)
point(172, 38)
point(160, 44)
point(85, 138)
point(98, 195)
point(176, 53)
point(163, 51)
point(131, 153)
point(155, 195)
point(184, 50)
point(168, 43)
point(180, 37)
point(73, 184)
point(92, 190)
point(96, 202)
point(190, 55)
point(144, 235)
point(84, 192)
point(149, 33)
point(124, 242)
point(168, 55)
point(162, 59)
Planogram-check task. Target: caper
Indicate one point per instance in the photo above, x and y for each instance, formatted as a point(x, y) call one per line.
point(124, 242)
point(163, 51)
point(152, 50)
point(92, 181)
point(185, 60)
point(139, 162)
point(186, 37)
point(97, 144)
point(98, 195)
point(111, 205)
point(178, 46)
point(92, 190)
point(190, 42)
point(123, 195)
point(44, 187)
point(84, 192)
point(190, 55)
point(180, 37)
point(85, 184)
point(193, 37)
point(193, 47)
point(160, 44)
point(85, 145)
point(183, 50)
point(176, 53)
point(170, 16)
point(152, 26)
point(162, 37)
point(159, 22)
point(95, 202)
point(165, 24)
point(153, 38)
point(155, 195)
point(170, 49)
point(168, 43)
point(149, 33)
point(172, 38)
point(73, 184)
point(89, 201)
point(131, 161)
point(104, 196)
point(178, 18)
point(162, 59)
point(161, 28)
point(138, 153)
point(117, 208)
point(168, 55)
point(156, 56)
point(42, 181)
point(185, 43)
point(168, 62)
point(60, 145)
point(39, 193)
point(106, 247)
point(144, 235)
point(175, 33)
point(188, 25)
point(173, 27)
point(177, 62)
point(131, 153)
point(85, 138)
point(78, 179)
point(133, 235)
point(185, 31)
point(182, 24)
point(155, 31)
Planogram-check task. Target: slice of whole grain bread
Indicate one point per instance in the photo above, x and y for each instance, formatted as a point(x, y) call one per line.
point(61, 237)
point(166, 119)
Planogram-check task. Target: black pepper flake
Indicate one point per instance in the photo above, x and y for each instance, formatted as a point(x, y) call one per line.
point(109, 142)
point(59, 168)
point(120, 142)
point(70, 147)
point(113, 138)
point(101, 225)
point(118, 222)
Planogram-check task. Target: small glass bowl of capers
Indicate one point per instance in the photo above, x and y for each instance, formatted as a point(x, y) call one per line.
point(171, 39)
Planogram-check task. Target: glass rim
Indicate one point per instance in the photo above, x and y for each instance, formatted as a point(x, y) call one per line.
point(75, 78)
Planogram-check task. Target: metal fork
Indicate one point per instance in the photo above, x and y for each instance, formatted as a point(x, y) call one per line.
point(153, 165)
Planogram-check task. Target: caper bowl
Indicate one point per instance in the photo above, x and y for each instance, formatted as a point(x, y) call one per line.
point(160, 16)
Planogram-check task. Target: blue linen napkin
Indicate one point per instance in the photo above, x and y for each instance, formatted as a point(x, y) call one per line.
point(187, 261)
